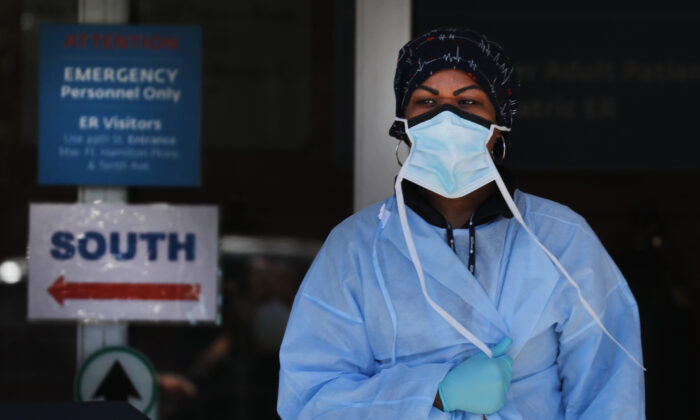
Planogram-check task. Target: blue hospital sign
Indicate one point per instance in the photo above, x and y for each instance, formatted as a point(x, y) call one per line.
point(119, 105)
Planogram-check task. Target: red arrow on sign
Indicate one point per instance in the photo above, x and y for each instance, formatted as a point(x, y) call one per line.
point(62, 290)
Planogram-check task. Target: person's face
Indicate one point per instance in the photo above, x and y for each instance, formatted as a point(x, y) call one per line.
point(452, 87)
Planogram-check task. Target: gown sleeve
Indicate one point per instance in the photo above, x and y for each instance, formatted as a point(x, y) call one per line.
point(328, 370)
point(599, 381)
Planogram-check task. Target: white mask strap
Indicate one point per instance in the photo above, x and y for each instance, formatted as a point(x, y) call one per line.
point(405, 127)
point(516, 213)
point(419, 269)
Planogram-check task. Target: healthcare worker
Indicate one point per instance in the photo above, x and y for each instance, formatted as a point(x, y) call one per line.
point(461, 297)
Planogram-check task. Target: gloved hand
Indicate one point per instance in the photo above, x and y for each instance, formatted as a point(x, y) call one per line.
point(479, 385)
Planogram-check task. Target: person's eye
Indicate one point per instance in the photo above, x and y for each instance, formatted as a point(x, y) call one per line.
point(466, 101)
point(426, 101)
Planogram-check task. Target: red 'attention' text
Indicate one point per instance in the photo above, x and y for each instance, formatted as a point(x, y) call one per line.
point(120, 42)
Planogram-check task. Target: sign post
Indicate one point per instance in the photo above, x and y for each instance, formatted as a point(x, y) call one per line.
point(90, 337)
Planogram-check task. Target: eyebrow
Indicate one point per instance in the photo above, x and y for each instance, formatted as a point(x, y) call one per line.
point(460, 90)
point(455, 93)
point(429, 89)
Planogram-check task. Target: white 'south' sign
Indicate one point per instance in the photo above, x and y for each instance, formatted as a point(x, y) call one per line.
point(123, 262)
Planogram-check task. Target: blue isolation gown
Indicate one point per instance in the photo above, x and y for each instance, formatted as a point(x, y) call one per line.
point(363, 343)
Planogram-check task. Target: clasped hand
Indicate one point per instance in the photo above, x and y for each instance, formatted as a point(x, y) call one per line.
point(479, 385)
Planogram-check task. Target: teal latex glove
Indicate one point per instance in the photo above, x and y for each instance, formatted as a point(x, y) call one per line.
point(479, 385)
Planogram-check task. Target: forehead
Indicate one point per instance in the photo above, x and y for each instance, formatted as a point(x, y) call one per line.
point(449, 79)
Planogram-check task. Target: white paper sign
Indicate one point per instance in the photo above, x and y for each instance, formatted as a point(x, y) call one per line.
point(123, 262)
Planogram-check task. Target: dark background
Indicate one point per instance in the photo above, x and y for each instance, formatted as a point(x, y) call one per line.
point(606, 126)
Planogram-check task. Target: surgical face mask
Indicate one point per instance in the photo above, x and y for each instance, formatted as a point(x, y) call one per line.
point(448, 151)
point(449, 157)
